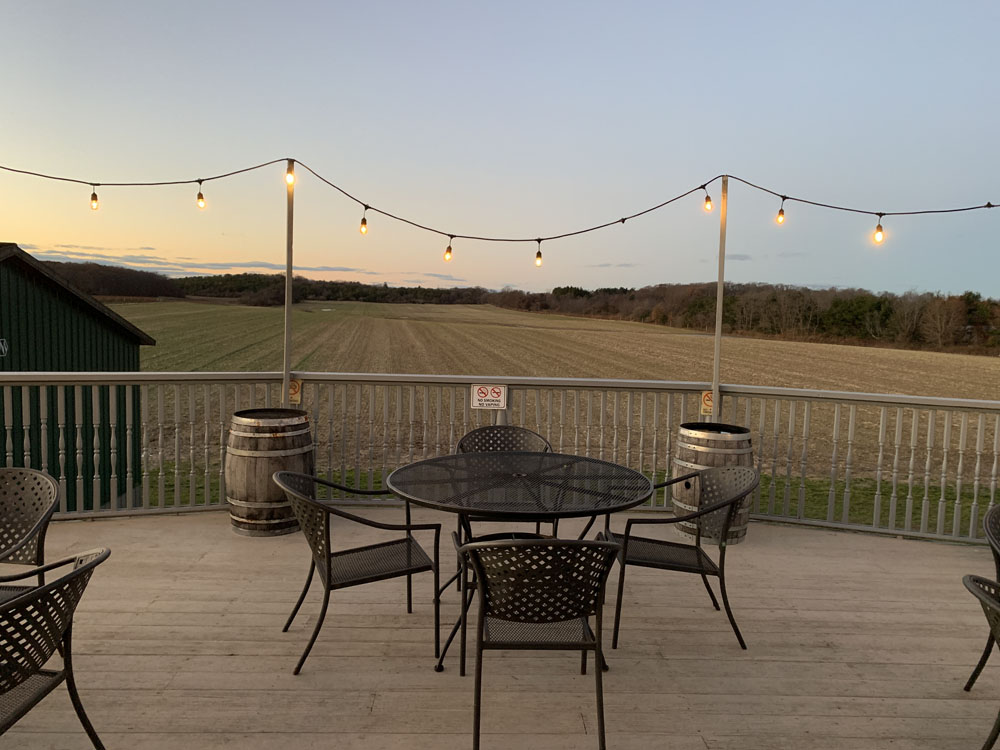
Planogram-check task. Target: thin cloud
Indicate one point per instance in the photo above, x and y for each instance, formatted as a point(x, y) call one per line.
point(612, 265)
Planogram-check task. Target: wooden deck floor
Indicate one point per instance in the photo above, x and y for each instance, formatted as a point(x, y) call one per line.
point(856, 642)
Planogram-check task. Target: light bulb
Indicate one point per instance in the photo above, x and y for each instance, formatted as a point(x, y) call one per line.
point(290, 176)
point(780, 218)
point(93, 201)
point(447, 252)
point(364, 225)
point(538, 258)
point(708, 203)
point(879, 234)
point(201, 200)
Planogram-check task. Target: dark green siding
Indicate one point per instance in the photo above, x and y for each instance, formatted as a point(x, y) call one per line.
point(49, 328)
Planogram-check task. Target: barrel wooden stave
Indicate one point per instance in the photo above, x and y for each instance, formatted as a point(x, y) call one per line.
point(261, 442)
point(704, 445)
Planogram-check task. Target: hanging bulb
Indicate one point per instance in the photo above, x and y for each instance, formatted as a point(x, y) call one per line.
point(879, 234)
point(708, 202)
point(93, 199)
point(780, 218)
point(290, 173)
point(201, 197)
point(538, 255)
point(447, 251)
point(364, 222)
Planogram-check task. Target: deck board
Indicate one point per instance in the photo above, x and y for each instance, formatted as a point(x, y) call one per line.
point(855, 642)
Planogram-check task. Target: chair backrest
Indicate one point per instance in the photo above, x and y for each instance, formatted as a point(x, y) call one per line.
point(32, 624)
point(502, 437)
point(541, 580)
point(28, 499)
point(729, 485)
point(991, 525)
point(988, 594)
point(313, 516)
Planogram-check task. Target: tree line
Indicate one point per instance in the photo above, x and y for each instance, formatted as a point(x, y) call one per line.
point(916, 320)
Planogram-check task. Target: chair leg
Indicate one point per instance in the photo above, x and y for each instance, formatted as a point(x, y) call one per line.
point(583, 662)
point(994, 733)
point(302, 597)
point(729, 612)
point(319, 624)
point(599, 679)
point(478, 700)
point(982, 663)
point(409, 595)
point(74, 696)
point(437, 608)
point(715, 602)
point(618, 604)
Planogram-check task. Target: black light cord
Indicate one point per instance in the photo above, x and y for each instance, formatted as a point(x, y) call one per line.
point(452, 235)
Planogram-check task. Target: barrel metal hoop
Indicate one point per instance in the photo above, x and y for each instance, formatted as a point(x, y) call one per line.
point(707, 435)
point(249, 504)
point(257, 522)
point(275, 422)
point(707, 449)
point(306, 431)
point(286, 452)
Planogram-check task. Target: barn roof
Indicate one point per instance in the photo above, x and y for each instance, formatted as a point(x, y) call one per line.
point(9, 252)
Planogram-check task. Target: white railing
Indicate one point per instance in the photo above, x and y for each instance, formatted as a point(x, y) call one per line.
point(896, 464)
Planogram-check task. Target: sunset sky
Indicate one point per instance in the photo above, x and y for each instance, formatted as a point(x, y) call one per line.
point(518, 119)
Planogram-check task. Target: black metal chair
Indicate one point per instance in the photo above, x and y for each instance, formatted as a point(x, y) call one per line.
point(28, 498)
point(720, 495)
point(991, 525)
point(33, 626)
point(502, 438)
point(988, 594)
point(539, 594)
point(339, 569)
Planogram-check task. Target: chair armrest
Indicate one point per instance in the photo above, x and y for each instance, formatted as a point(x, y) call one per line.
point(379, 524)
point(675, 480)
point(352, 490)
point(678, 519)
point(34, 572)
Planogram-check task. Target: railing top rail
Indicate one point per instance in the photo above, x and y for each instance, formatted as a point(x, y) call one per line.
point(804, 394)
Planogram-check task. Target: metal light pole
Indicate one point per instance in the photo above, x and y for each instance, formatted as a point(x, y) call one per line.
point(286, 367)
point(716, 401)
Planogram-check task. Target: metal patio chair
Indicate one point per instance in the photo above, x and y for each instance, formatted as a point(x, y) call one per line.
point(495, 438)
point(991, 525)
point(988, 594)
point(343, 568)
point(33, 626)
point(28, 498)
point(721, 492)
point(539, 594)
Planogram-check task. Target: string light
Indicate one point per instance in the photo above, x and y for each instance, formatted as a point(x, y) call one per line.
point(364, 222)
point(290, 179)
point(538, 255)
point(447, 250)
point(201, 197)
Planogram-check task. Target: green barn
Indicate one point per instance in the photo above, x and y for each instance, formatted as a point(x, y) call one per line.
point(47, 325)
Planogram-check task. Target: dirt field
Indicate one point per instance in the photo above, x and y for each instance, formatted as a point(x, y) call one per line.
point(484, 340)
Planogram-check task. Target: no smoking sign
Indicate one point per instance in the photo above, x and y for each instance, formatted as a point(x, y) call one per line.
point(488, 397)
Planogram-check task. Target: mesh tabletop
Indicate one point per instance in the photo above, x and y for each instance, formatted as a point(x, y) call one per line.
point(520, 485)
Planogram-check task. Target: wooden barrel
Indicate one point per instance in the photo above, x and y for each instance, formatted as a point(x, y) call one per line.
point(261, 442)
point(703, 445)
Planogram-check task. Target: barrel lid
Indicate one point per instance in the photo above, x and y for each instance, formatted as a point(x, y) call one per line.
point(712, 429)
point(270, 417)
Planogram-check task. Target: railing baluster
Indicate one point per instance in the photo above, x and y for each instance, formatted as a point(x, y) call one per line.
point(43, 413)
point(144, 398)
point(655, 450)
point(789, 459)
point(78, 405)
point(207, 440)
point(925, 508)
point(761, 451)
point(189, 390)
point(178, 499)
point(804, 460)
point(963, 433)
point(642, 430)
point(113, 422)
point(849, 462)
point(980, 442)
point(996, 460)
point(223, 416)
point(25, 396)
point(61, 417)
point(8, 422)
point(95, 401)
point(911, 468)
point(877, 510)
point(945, 446)
point(772, 489)
point(832, 497)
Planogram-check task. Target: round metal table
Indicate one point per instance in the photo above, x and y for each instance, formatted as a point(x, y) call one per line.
point(520, 486)
point(517, 486)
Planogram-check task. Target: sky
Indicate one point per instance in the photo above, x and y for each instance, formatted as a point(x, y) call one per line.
point(513, 119)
